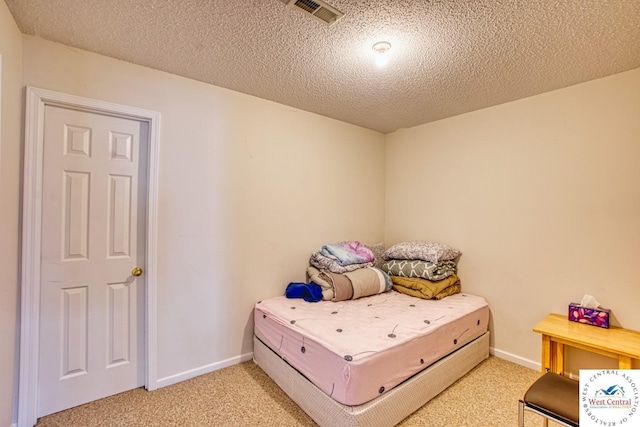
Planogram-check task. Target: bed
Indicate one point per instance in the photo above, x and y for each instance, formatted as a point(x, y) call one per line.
point(371, 361)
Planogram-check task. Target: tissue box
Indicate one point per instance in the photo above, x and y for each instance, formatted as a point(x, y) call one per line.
point(589, 316)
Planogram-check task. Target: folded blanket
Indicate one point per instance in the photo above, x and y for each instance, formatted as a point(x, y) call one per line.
point(357, 284)
point(321, 278)
point(347, 253)
point(419, 268)
point(427, 289)
point(368, 281)
point(322, 262)
point(342, 287)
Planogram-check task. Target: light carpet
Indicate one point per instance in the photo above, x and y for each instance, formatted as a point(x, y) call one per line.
point(243, 395)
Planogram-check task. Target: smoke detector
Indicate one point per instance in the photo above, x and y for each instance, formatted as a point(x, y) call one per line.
point(317, 9)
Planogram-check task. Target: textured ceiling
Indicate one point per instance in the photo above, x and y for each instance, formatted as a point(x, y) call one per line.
point(448, 56)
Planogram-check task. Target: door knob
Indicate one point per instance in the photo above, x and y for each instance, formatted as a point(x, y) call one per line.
point(137, 271)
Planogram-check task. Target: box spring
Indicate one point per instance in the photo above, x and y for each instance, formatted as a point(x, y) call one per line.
point(388, 409)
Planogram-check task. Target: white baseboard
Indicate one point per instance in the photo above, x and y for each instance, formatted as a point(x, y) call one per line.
point(174, 379)
point(515, 359)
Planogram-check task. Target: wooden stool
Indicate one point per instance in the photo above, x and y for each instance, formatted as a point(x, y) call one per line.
point(555, 397)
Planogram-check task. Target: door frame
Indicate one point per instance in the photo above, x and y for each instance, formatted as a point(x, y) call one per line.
point(36, 100)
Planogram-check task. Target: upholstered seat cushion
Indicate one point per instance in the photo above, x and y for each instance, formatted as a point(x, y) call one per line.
point(556, 394)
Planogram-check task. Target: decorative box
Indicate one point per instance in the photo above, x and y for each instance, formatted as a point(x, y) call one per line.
point(589, 316)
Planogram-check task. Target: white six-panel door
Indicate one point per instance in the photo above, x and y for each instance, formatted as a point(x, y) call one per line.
point(91, 333)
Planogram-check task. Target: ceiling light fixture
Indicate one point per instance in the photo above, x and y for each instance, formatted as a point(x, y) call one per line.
point(381, 49)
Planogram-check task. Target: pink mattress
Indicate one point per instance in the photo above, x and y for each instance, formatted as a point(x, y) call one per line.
point(357, 350)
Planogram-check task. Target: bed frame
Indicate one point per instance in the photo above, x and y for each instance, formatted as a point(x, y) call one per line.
point(386, 410)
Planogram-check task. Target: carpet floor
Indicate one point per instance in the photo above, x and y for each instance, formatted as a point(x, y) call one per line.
point(243, 395)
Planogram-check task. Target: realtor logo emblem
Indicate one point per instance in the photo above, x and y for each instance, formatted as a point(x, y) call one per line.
point(609, 398)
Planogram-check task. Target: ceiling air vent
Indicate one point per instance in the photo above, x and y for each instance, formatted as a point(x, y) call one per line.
point(317, 9)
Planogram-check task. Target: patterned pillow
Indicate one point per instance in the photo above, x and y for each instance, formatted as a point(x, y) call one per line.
point(419, 268)
point(426, 251)
point(378, 251)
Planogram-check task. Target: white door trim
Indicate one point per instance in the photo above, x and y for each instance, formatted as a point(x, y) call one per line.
point(36, 100)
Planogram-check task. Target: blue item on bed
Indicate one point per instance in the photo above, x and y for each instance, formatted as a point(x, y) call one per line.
point(311, 292)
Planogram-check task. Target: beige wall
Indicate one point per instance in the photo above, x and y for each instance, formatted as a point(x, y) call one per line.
point(247, 190)
point(542, 196)
point(10, 170)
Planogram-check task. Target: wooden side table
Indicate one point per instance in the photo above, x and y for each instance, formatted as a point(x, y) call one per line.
point(558, 331)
